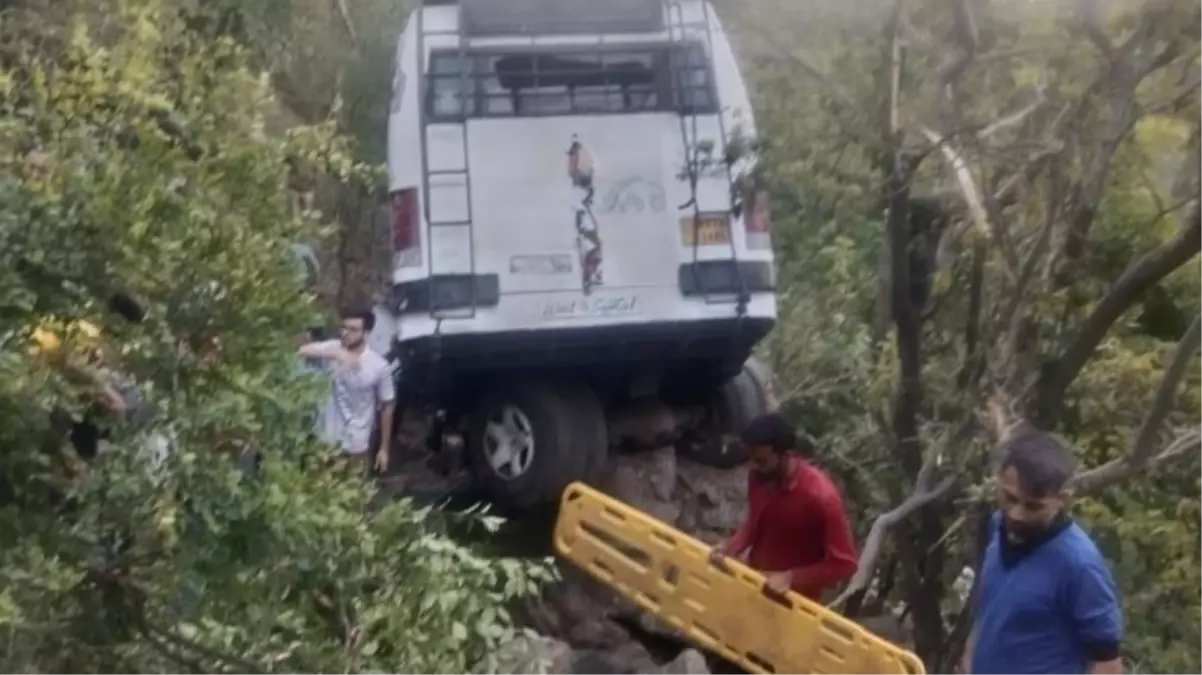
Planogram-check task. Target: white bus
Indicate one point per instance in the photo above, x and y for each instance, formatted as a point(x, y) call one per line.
point(573, 239)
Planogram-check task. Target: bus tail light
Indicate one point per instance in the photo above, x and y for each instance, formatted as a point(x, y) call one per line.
point(406, 228)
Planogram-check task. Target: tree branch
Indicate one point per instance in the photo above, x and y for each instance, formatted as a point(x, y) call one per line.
point(899, 180)
point(871, 551)
point(1139, 453)
point(968, 187)
point(348, 25)
point(967, 40)
point(1145, 273)
point(923, 494)
point(1087, 11)
point(972, 199)
point(1127, 66)
point(1016, 117)
point(151, 631)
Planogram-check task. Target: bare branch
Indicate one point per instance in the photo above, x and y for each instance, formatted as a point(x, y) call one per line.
point(1173, 102)
point(1096, 480)
point(1146, 272)
point(1087, 11)
point(1016, 117)
point(348, 25)
point(900, 172)
point(966, 40)
point(1139, 453)
point(968, 190)
point(871, 552)
point(923, 493)
point(1127, 66)
point(968, 187)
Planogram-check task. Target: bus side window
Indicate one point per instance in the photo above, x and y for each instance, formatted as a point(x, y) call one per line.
point(448, 87)
point(497, 100)
point(691, 78)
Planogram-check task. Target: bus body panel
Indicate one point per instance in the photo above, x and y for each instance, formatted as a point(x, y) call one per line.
point(523, 203)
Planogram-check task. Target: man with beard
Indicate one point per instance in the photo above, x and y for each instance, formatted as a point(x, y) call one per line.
point(1045, 602)
point(361, 391)
point(796, 531)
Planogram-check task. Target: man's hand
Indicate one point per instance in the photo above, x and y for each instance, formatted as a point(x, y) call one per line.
point(111, 399)
point(382, 458)
point(779, 582)
point(717, 556)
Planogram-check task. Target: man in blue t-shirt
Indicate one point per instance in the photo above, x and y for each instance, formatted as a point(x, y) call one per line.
point(1046, 602)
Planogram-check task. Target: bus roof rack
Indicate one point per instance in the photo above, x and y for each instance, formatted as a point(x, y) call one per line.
point(485, 18)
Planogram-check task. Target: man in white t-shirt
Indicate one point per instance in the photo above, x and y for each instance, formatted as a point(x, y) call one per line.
point(361, 389)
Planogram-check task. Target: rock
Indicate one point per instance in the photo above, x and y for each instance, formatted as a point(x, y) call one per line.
point(645, 423)
point(888, 627)
point(631, 658)
point(689, 662)
point(580, 610)
point(534, 653)
point(653, 626)
point(712, 502)
point(600, 625)
point(594, 661)
point(705, 502)
point(646, 480)
point(579, 624)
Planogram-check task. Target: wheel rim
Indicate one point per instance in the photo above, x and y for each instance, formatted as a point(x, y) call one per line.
point(509, 443)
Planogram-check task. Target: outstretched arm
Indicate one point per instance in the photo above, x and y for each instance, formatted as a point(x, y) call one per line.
point(329, 350)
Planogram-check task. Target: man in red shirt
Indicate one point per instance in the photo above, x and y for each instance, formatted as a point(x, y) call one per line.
point(796, 531)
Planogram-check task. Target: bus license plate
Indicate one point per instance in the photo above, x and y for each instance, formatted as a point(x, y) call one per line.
point(710, 230)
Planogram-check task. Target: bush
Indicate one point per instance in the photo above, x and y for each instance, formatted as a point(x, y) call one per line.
point(133, 158)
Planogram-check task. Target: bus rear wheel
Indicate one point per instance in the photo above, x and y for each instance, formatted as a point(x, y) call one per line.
point(528, 441)
point(739, 400)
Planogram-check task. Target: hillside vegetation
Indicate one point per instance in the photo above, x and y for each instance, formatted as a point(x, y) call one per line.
point(985, 211)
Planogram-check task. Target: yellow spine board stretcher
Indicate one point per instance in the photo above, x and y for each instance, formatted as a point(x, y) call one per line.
point(726, 611)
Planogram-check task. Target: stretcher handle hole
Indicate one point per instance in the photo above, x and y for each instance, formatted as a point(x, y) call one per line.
point(781, 599)
point(720, 565)
point(759, 662)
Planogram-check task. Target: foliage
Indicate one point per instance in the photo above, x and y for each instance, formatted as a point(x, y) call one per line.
point(135, 157)
point(1030, 100)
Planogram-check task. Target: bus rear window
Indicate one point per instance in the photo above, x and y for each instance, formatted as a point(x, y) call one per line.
point(576, 82)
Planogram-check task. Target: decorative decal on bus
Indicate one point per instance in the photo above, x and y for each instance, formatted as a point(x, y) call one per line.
point(581, 169)
point(590, 308)
point(634, 195)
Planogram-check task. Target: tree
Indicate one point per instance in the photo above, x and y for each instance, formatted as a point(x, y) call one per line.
point(135, 159)
point(1021, 182)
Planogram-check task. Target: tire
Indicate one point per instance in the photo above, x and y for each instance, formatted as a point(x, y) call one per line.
point(739, 400)
point(589, 422)
point(556, 435)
